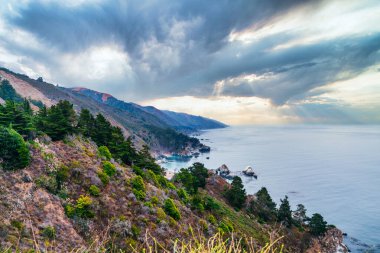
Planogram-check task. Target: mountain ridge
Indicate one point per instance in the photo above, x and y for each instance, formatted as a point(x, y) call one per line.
point(143, 124)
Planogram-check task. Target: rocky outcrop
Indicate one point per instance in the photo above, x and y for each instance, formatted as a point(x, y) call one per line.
point(331, 242)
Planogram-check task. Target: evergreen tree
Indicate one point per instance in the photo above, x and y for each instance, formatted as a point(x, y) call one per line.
point(146, 161)
point(263, 206)
point(318, 226)
point(299, 215)
point(60, 120)
point(86, 123)
point(200, 173)
point(285, 213)
point(14, 153)
point(236, 195)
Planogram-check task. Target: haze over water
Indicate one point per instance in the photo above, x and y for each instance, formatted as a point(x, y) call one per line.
point(332, 170)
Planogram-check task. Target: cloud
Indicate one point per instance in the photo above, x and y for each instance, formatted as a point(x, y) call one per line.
point(284, 52)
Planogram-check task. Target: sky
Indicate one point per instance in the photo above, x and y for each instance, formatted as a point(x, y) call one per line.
point(240, 61)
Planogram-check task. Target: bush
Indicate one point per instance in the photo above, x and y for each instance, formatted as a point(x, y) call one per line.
point(104, 153)
point(70, 210)
point(155, 200)
point(94, 190)
point(182, 194)
point(61, 176)
point(210, 204)
point(103, 177)
point(171, 209)
point(211, 218)
point(14, 153)
point(49, 232)
point(138, 171)
point(140, 195)
point(83, 207)
point(161, 215)
point(138, 183)
point(109, 168)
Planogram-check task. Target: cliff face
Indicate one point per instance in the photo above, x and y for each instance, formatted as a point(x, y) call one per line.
point(35, 213)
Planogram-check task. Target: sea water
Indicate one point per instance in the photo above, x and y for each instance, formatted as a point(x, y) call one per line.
point(332, 170)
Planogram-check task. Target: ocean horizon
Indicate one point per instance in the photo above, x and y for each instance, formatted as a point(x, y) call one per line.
point(333, 170)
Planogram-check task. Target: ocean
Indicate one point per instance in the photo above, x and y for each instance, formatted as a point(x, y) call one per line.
point(332, 170)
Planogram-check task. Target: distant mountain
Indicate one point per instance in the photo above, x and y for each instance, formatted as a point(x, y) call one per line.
point(158, 129)
point(179, 121)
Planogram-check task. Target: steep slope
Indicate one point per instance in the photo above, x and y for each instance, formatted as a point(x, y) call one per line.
point(141, 125)
point(37, 212)
point(180, 121)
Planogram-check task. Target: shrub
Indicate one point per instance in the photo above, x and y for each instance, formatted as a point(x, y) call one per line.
point(49, 232)
point(14, 153)
point(211, 218)
point(94, 190)
point(138, 183)
point(140, 195)
point(152, 177)
point(109, 168)
point(135, 231)
point(103, 177)
point(182, 194)
point(225, 227)
point(210, 204)
point(62, 175)
point(104, 153)
point(155, 200)
point(171, 209)
point(70, 210)
point(83, 207)
point(138, 171)
point(203, 224)
point(161, 215)
point(197, 203)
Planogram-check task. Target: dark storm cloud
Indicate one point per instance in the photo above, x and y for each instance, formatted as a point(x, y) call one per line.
point(182, 48)
point(132, 22)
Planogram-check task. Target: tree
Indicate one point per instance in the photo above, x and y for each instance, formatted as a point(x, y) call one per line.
point(14, 153)
point(263, 206)
point(317, 225)
point(60, 120)
point(285, 213)
point(299, 215)
point(200, 173)
point(86, 123)
point(236, 195)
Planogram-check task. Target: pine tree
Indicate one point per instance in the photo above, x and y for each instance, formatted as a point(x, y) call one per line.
point(236, 195)
point(318, 226)
point(299, 215)
point(86, 123)
point(285, 213)
point(263, 206)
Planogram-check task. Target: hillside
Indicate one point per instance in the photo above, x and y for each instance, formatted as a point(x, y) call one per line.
point(37, 212)
point(70, 181)
point(142, 124)
point(180, 121)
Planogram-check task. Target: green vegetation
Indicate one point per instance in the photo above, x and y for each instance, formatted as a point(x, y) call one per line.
point(318, 226)
point(14, 153)
point(285, 213)
point(236, 195)
point(103, 177)
point(138, 187)
point(49, 232)
point(94, 191)
point(104, 153)
point(109, 168)
point(171, 209)
point(193, 177)
point(83, 207)
point(263, 206)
